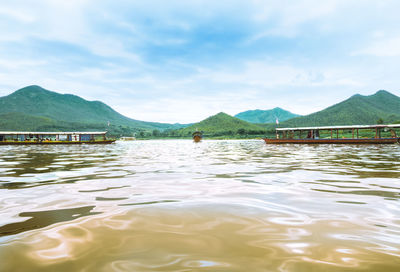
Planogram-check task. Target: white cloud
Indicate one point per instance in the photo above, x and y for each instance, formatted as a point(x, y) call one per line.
point(16, 65)
point(385, 47)
point(108, 53)
point(294, 12)
point(16, 14)
point(285, 18)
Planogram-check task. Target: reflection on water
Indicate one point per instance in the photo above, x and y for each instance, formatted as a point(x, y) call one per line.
point(212, 206)
point(44, 218)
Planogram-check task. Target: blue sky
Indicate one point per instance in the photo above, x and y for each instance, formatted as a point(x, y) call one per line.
point(182, 61)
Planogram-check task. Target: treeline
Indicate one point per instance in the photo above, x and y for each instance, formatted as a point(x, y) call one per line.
point(176, 134)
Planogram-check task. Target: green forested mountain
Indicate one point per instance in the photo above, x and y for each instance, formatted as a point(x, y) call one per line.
point(18, 121)
point(265, 116)
point(357, 110)
point(35, 108)
point(222, 124)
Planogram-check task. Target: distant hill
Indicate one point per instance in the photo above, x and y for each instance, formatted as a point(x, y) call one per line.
point(357, 110)
point(40, 109)
point(222, 124)
point(265, 116)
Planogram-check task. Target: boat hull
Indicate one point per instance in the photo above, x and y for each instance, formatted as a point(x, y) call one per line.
point(334, 141)
point(56, 142)
point(197, 139)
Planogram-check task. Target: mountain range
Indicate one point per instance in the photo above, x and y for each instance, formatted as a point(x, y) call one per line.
point(266, 116)
point(222, 124)
point(36, 109)
point(382, 106)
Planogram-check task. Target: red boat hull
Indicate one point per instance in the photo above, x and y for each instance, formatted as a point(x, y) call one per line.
point(334, 141)
point(56, 142)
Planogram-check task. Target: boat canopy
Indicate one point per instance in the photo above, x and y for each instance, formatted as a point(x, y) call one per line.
point(339, 127)
point(52, 133)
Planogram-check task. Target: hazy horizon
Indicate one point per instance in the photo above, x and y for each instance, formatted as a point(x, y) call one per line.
point(181, 62)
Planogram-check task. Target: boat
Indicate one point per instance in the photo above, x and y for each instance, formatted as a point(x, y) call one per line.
point(361, 134)
point(49, 138)
point(128, 138)
point(197, 136)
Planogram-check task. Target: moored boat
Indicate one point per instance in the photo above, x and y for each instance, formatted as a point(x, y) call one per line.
point(48, 138)
point(369, 134)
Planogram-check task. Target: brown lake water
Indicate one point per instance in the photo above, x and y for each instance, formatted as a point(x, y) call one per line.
point(211, 206)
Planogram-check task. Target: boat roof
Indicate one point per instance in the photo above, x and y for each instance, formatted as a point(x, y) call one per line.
point(51, 133)
point(340, 127)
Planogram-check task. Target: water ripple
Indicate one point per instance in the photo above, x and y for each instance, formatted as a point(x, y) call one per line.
point(213, 206)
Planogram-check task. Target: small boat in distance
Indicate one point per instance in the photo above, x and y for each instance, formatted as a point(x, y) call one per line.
point(48, 138)
point(197, 136)
point(128, 138)
point(369, 134)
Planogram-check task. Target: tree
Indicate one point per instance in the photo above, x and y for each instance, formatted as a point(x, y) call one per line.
point(241, 131)
point(156, 133)
point(379, 121)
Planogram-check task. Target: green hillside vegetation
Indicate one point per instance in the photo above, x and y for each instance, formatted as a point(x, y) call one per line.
point(265, 116)
point(222, 124)
point(16, 121)
point(381, 107)
point(34, 108)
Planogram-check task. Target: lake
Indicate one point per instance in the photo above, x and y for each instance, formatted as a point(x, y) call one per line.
point(210, 206)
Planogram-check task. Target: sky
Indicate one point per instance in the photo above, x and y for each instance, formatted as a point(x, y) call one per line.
point(183, 61)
